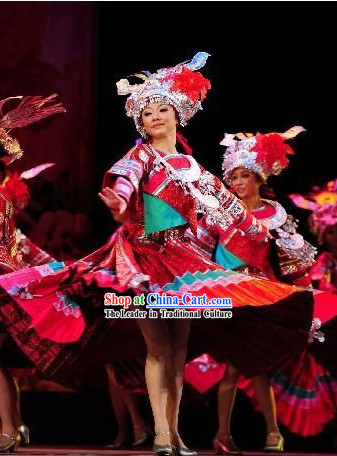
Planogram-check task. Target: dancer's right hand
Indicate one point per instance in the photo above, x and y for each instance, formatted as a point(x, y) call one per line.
point(115, 203)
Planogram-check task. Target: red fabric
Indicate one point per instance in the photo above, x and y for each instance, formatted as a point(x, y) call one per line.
point(275, 318)
point(16, 190)
point(255, 254)
point(8, 260)
point(305, 395)
point(324, 271)
point(111, 268)
point(183, 142)
point(203, 373)
point(303, 281)
point(325, 306)
point(270, 149)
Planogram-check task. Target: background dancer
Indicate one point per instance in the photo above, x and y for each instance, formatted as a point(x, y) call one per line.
point(13, 197)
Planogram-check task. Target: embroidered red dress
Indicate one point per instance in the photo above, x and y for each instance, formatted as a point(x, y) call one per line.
point(16, 252)
point(55, 312)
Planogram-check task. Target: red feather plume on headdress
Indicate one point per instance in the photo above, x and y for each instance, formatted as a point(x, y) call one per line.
point(191, 83)
point(272, 151)
point(16, 191)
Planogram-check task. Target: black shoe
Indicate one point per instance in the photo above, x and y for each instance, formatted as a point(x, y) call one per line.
point(165, 449)
point(144, 440)
point(184, 451)
point(119, 445)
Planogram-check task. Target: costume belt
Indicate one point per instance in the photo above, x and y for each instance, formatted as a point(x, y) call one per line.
point(162, 237)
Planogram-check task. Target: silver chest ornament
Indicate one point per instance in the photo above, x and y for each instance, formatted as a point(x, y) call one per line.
point(185, 177)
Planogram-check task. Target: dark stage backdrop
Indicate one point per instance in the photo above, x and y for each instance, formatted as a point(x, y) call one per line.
point(45, 48)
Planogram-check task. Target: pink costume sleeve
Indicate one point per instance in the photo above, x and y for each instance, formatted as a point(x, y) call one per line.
point(123, 188)
point(321, 273)
point(125, 175)
point(320, 268)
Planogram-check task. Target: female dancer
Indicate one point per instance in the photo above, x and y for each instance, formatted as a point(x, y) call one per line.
point(14, 196)
point(156, 192)
point(247, 165)
point(322, 224)
point(305, 392)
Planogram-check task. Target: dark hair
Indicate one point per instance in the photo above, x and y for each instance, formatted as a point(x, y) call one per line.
point(266, 191)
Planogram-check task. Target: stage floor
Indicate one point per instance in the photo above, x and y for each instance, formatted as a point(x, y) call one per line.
point(40, 450)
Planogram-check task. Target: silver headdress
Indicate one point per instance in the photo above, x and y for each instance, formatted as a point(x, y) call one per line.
point(180, 86)
point(264, 154)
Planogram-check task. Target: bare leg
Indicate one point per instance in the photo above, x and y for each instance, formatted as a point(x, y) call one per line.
point(138, 423)
point(265, 396)
point(226, 399)
point(17, 411)
point(179, 333)
point(8, 401)
point(125, 403)
point(157, 340)
point(119, 408)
